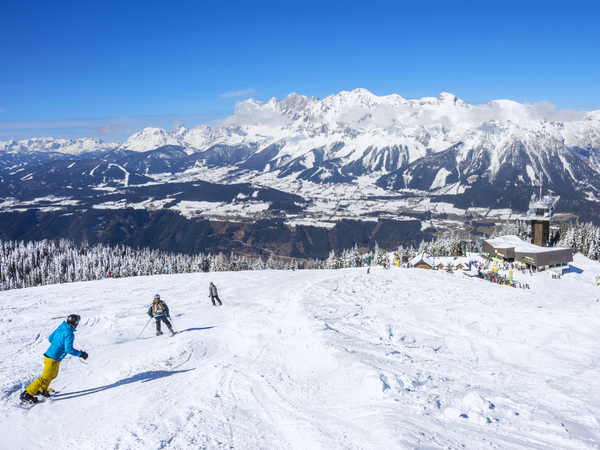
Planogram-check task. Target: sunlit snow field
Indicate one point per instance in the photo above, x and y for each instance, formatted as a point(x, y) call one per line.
point(342, 359)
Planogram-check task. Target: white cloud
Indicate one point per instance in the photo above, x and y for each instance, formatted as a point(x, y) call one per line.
point(382, 116)
point(109, 129)
point(252, 112)
point(521, 112)
point(548, 111)
point(237, 94)
point(178, 123)
point(385, 116)
point(33, 124)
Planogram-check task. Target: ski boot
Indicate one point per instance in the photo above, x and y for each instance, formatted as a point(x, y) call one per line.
point(44, 393)
point(26, 397)
point(158, 333)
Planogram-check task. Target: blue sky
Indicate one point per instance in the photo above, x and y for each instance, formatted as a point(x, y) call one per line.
point(107, 69)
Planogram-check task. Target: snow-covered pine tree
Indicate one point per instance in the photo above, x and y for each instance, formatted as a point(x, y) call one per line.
point(332, 262)
point(258, 264)
point(271, 263)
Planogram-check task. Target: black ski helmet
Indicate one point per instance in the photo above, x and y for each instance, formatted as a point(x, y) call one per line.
point(156, 297)
point(73, 320)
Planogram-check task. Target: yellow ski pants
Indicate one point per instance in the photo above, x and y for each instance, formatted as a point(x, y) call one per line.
point(42, 383)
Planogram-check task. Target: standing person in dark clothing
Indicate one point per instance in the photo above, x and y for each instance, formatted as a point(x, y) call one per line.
point(213, 294)
point(61, 343)
point(160, 311)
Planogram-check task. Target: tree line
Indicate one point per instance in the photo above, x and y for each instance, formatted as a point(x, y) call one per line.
point(38, 263)
point(582, 238)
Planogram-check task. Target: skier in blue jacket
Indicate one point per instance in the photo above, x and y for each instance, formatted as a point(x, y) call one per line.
point(61, 343)
point(160, 311)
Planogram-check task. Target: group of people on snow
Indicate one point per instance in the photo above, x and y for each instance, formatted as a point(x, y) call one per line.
point(495, 277)
point(63, 339)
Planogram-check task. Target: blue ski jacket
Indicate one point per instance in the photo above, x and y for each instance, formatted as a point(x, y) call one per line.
point(62, 343)
point(166, 313)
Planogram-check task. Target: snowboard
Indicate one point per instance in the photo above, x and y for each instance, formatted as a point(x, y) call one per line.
point(27, 405)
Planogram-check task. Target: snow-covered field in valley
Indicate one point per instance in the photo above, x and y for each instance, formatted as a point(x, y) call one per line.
point(328, 359)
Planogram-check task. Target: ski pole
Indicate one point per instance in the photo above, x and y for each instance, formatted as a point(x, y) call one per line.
point(173, 324)
point(145, 326)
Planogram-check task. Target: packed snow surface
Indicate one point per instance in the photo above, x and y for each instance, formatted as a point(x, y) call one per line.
point(340, 359)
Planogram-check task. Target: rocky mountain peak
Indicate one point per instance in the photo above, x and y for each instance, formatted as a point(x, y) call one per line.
point(446, 98)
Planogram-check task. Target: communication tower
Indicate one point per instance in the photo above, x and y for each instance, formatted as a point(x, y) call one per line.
point(541, 211)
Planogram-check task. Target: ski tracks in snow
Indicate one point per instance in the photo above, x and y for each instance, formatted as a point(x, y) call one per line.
point(400, 354)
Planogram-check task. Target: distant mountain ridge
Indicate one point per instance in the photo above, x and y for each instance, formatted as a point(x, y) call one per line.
point(51, 145)
point(439, 144)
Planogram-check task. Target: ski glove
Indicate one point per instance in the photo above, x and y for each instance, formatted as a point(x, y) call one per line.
point(83, 355)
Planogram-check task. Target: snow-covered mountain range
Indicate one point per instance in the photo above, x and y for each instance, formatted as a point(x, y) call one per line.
point(51, 145)
point(440, 144)
point(411, 167)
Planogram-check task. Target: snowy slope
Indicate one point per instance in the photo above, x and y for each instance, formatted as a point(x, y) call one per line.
point(403, 358)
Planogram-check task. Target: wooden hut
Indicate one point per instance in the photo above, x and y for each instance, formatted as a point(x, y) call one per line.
point(422, 262)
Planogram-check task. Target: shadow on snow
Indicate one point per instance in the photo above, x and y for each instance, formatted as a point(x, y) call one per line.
point(141, 377)
point(573, 269)
point(195, 329)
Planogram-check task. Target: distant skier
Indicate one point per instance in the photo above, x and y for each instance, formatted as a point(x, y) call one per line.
point(160, 311)
point(61, 343)
point(213, 294)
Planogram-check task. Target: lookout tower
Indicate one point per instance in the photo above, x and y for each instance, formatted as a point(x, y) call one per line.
point(541, 211)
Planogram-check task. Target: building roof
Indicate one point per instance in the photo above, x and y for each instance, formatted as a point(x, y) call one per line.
point(512, 241)
point(421, 259)
point(511, 247)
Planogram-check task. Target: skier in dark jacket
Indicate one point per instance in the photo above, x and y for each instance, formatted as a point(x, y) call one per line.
point(160, 311)
point(61, 341)
point(212, 293)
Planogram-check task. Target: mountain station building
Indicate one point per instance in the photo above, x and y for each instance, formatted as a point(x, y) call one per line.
point(512, 249)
